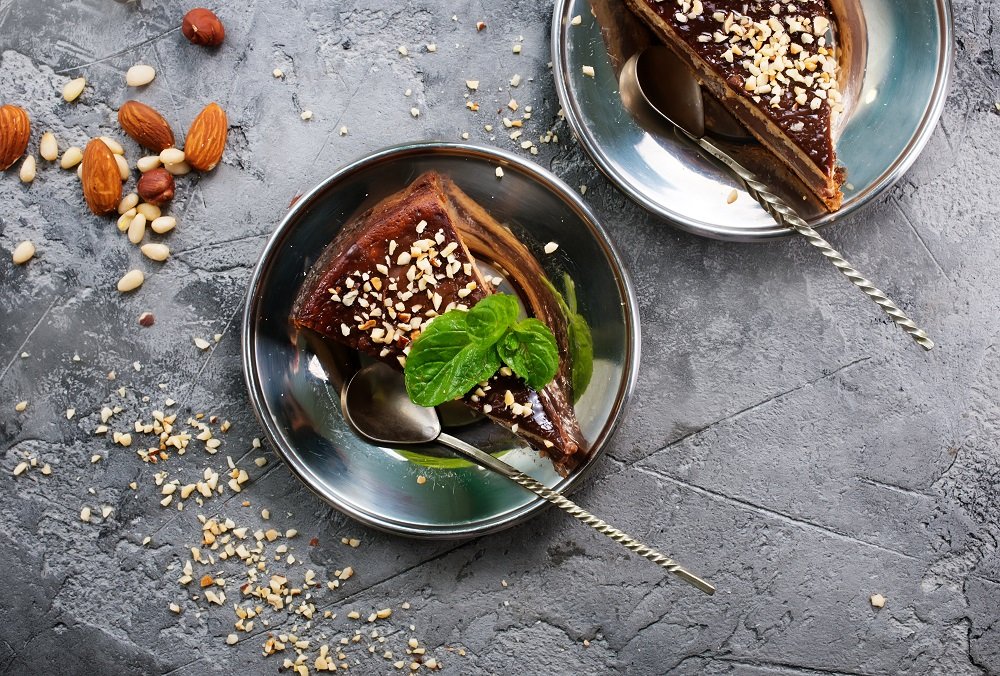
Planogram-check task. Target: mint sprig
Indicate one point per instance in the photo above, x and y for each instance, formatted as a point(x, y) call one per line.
point(460, 349)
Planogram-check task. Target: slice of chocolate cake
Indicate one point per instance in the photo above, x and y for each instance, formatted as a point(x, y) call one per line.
point(773, 65)
point(407, 260)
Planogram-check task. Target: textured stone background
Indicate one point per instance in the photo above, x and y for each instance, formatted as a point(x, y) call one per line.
point(785, 440)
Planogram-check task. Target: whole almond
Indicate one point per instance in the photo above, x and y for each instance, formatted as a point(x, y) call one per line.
point(206, 139)
point(102, 182)
point(145, 125)
point(15, 129)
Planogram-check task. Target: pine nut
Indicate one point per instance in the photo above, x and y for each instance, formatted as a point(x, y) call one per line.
point(172, 156)
point(48, 148)
point(27, 172)
point(23, 252)
point(128, 202)
point(137, 229)
point(150, 211)
point(131, 281)
point(73, 89)
point(125, 220)
point(178, 168)
point(114, 146)
point(123, 167)
point(163, 225)
point(139, 75)
point(72, 157)
point(147, 163)
point(155, 251)
point(79, 171)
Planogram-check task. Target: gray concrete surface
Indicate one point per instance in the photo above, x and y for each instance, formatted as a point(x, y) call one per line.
point(785, 439)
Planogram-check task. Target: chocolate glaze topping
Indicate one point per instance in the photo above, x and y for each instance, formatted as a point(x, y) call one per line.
point(807, 126)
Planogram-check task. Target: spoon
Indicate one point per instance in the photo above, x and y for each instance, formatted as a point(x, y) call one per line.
point(377, 407)
point(655, 79)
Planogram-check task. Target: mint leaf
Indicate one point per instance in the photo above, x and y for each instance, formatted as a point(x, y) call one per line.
point(529, 349)
point(445, 362)
point(581, 342)
point(491, 316)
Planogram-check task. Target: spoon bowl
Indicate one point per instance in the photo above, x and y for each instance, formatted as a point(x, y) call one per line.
point(377, 407)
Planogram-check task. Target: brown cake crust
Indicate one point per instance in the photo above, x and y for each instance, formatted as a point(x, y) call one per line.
point(370, 291)
point(773, 70)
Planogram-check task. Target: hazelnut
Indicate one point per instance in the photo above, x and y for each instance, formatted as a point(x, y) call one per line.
point(156, 186)
point(202, 27)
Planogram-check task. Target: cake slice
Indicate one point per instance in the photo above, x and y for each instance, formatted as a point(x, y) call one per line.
point(774, 66)
point(406, 260)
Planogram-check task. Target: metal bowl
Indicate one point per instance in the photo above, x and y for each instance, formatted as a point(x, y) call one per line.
point(909, 47)
point(294, 384)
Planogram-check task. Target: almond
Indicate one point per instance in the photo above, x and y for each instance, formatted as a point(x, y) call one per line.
point(145, 125)
point(102, 182)
point(206, 138)
point(15, 129)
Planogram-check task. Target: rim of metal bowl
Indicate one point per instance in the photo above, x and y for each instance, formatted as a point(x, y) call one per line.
point(273, 247)
point(902, 164)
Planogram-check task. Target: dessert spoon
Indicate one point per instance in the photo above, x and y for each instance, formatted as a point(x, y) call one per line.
point(376, 406)
point(657, 78)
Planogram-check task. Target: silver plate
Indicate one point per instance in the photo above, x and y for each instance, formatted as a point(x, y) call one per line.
point(294, 387)
point(905, 80)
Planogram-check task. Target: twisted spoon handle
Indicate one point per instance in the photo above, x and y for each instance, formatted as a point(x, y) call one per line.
point(488, 461)
point(786, 216)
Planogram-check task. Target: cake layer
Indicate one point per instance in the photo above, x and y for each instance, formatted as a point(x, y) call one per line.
point(773, 65)
point(405, 261)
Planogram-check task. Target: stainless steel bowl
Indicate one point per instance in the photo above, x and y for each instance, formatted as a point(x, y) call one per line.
point(294, 385)
point(909, 54)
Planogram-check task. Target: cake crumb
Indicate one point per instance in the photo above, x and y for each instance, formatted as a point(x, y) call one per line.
point(877, 601)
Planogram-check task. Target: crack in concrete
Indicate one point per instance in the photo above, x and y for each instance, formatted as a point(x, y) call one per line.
point(126, 50)
point(765, 511)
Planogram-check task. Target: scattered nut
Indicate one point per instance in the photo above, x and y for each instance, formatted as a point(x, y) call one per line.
point(588, 71)
point(202, 27)
point(170, 156)
point(72, 90)
point(163, 224)
point(147, 163)
point(732, 197)
point(48, 147)
point(206, 138)
point(128, 202)
point(147, 319)
point(139, 75)
point(551, 247)
point(145, 125)
point(150, 211)
point(877, 601)
point(114, 146)
point(155, 251)
point(27, 172)
point(178, 168)
point(102, 185)
point(137, 229)
point(23, 252)
point(306, 114)
point(15, 131)
point(72, 157)
point(131, 281)
point(156, 186)
point(123, 169)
